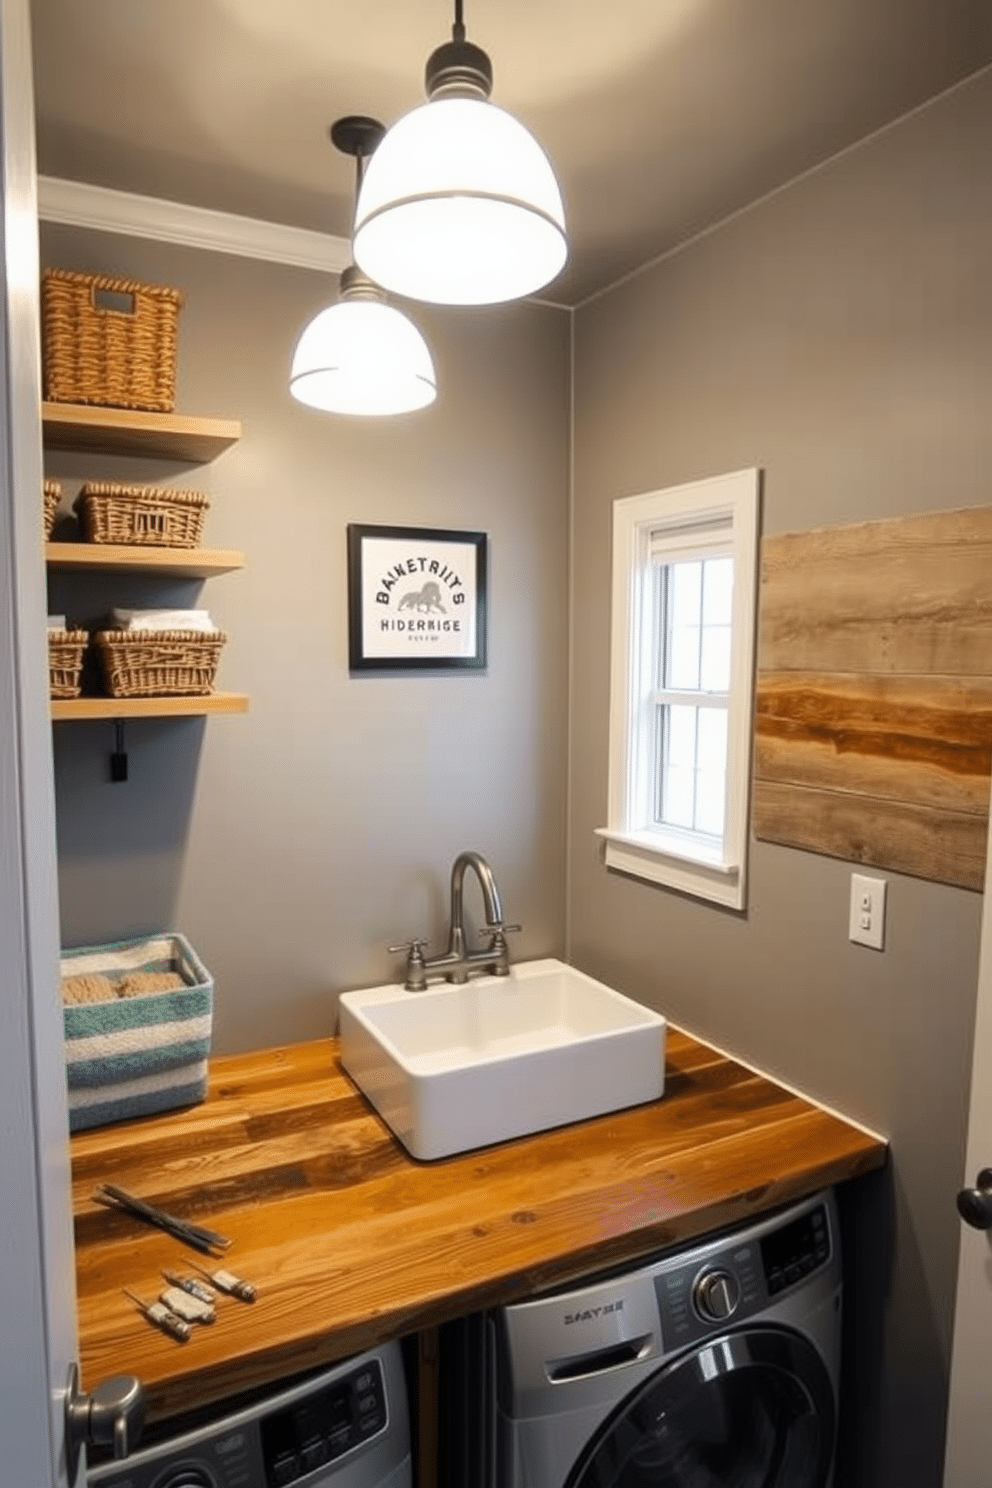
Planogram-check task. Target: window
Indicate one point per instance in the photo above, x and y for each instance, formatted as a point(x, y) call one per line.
point(684, 577)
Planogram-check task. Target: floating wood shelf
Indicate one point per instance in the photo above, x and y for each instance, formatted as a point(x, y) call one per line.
point(126, 431)
point(148, 707)
point(178, 563)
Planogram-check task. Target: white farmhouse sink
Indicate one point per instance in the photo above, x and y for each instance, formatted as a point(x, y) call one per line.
point(457, 1067)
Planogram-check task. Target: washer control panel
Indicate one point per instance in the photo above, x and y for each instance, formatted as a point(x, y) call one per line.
point(732, 1284)
point(277, 1443)
point(323, 1426)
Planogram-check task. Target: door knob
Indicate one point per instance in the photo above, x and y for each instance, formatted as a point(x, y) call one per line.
point(112, 1415)
point(975, 1204)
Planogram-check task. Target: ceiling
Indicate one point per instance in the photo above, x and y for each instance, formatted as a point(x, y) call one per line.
point(661, 117)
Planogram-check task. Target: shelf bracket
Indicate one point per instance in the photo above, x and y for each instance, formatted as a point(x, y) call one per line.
point(118, 759)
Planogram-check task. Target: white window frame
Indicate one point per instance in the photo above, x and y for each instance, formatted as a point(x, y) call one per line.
point(707, 516)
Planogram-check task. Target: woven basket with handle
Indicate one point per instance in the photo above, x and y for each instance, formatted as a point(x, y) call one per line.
point(109, 341)
point(156, 516)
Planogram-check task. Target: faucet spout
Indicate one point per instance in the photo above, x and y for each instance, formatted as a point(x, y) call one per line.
point(490, 897)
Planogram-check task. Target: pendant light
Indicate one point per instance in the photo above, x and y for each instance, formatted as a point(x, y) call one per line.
point(459, 205)
point(361, 355)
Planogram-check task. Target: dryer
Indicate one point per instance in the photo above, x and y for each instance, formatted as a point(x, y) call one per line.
point(344, 1427)
point(712, 1366)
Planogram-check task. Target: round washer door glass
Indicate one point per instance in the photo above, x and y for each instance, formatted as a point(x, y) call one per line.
point(753, 1409)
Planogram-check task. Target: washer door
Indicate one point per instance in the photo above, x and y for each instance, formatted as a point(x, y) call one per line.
point(753, 1409)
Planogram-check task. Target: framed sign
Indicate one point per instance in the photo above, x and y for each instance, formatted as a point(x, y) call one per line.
point(416, 599)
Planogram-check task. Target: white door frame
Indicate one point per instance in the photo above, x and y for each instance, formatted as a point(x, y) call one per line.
point(37, 1270)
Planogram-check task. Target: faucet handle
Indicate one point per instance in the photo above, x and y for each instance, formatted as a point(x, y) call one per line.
point(499, 927)
point(414, 946)
point(416, 967)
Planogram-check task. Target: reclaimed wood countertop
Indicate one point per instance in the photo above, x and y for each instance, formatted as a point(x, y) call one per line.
point(350, 1241)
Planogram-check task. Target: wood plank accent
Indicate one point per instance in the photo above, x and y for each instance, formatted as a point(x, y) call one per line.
point(117, 431)
point(909, 595)
point(873, 721)
point(176, 563)
point(65, 709)
point(945, 846)
point(351, 1242)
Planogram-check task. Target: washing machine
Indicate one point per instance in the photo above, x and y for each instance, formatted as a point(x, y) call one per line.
point(710, 1366)
point(344, 1427)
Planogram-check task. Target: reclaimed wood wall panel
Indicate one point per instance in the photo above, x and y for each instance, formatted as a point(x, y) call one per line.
point(907, 595)
point(873, 722)
point(944, 846)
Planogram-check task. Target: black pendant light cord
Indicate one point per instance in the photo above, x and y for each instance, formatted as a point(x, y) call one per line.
point(458, 29)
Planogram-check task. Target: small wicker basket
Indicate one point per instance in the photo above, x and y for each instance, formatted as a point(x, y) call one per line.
point(117, 357)
point(153, 516)
point(66, 649)
point(52, 492)
point(162, 663)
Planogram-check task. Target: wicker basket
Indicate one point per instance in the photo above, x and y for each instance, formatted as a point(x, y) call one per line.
point(117, 357)
point(153, 516)
point(65, 661)
point(163, 663)
point(52, 492)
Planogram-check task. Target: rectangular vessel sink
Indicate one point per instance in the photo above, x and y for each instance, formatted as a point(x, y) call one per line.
point(457, 1067)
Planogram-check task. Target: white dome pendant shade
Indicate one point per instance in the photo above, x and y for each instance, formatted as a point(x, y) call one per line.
point(362, 356)
point(459, 204)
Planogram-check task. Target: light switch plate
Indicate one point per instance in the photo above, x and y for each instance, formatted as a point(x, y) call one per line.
point(867, 915)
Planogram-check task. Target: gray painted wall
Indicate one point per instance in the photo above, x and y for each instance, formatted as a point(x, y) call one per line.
point(839, 336)
point(293, 844)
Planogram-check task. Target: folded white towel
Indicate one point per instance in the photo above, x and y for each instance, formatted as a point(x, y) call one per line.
point(56, 622)
point(162, 620)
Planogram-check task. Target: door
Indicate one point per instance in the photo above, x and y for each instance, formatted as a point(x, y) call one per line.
point(969, 1425)
point(37, 1273)
point(753, 1408)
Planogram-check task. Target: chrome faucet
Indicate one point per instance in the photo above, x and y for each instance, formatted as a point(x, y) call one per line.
point(456, 963)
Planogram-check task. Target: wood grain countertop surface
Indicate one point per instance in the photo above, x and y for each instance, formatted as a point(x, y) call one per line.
point(350, 1241)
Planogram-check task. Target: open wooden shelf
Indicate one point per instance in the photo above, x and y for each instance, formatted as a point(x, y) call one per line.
point(148, 707)
point(178, 563)
point(126, 431)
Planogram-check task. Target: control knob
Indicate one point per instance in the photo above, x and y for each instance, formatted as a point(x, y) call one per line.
point(715, 1295)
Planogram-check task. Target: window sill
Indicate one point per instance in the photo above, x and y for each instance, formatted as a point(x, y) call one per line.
point(685, 866)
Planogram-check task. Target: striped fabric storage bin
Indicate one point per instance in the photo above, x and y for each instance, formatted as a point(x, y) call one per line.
point(132, 1049)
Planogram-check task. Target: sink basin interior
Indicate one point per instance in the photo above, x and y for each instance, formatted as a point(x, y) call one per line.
point(497, 1018)
point(455, 1067)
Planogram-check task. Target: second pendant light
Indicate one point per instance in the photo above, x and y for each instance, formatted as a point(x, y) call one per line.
point(361, 355)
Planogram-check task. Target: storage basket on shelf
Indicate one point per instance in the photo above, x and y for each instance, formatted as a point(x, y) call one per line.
point(109, 341)
point(153, 516)
point(159, 663)
point(52, 495)
point(138, 1018)
point(66, 649)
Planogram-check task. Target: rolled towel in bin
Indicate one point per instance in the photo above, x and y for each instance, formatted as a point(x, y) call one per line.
point(78, 990)
point(140, 983)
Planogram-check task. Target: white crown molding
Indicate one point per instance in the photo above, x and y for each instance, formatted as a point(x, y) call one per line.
point(75, 204)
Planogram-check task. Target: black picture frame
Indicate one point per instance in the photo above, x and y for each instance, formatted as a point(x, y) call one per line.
point(416, 599)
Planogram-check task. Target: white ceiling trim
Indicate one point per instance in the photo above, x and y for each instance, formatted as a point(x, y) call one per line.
point(76, 204)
